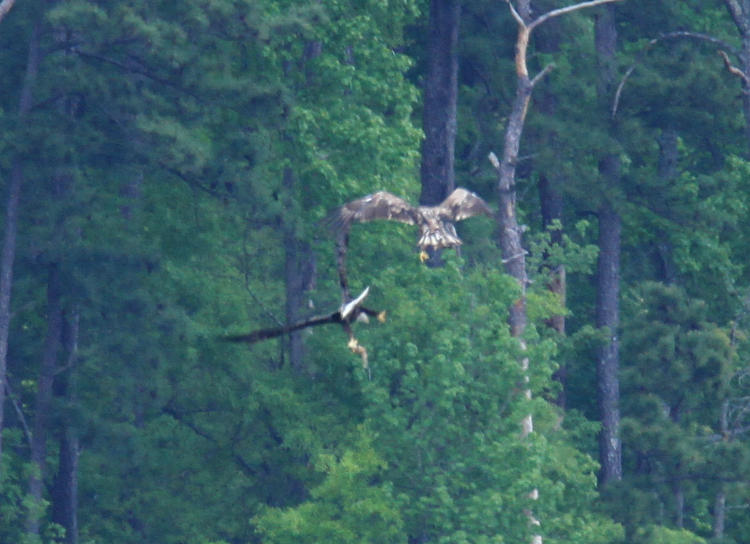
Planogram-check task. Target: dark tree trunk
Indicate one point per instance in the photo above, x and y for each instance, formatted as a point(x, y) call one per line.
point(65, 486)
point(11, 224)
point(607, 317)
point(43, 401)
point(608, 271)
point(440, 92)
point(551, 183)
point(299, 274)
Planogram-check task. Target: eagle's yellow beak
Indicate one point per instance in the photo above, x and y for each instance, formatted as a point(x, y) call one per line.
point(423, 256)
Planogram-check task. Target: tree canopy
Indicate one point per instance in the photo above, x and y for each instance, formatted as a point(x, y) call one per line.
point(168, 171)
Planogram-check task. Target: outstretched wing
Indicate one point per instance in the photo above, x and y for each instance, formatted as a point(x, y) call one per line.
point(380, 205)
point(461, 204)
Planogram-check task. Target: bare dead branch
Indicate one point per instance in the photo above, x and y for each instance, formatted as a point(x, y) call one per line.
point(562, 11)
point(5, 6)
point(494, 160)
point(733, 69)
point(547, 69)
point(515, 14)
point(19, 412)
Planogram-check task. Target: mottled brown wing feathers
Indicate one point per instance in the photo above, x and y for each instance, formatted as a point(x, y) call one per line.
point(461, 204)
point(380, 205)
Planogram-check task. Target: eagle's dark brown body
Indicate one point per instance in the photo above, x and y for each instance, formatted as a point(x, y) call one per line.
point(436, 223)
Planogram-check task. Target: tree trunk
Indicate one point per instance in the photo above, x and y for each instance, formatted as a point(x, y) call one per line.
point(608, 271)
point(11, 224)
point(299, 274)
point(514, 255)
point(551, 182)
point(440, 95)
point(607, 317)
point(65, 487)
point(43, 402)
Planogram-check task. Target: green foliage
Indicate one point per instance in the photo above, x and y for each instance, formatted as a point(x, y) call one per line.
point(663, 535)
point(675, 381)
point(347, 506)
point(176, 156)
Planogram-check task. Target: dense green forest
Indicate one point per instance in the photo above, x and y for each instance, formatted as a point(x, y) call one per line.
point(576, 372)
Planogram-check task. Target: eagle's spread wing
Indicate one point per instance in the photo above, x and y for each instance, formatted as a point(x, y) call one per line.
point(380, 205)
point(461, 204)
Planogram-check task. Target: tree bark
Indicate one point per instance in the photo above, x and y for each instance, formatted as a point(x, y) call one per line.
point(607, 317)
point(299, 273)
point(43, 401)
point(551, 182)
point(11, 224)
point(65, 486)
point(440, 98)
point(608, 270)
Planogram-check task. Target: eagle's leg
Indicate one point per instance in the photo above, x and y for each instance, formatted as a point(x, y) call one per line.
point(354, 345)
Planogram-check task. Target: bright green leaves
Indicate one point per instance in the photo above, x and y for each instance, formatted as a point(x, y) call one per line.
point(351, 504)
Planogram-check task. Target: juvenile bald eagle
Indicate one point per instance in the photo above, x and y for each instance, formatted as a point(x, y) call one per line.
point(436, 223)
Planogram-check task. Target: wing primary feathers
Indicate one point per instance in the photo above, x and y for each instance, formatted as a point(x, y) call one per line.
point(264, 334)
point(462, 204)
point(380, 205)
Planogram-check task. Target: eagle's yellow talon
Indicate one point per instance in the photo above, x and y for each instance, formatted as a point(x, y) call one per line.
point(381, 316)
point(423, 256)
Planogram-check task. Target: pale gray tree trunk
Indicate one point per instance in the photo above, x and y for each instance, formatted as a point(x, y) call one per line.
point(514, 256)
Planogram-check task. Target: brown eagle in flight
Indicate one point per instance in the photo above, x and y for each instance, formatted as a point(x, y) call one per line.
point(436, 223)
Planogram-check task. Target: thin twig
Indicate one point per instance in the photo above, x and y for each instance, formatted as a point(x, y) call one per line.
point(562, 11)
point(19, 412)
